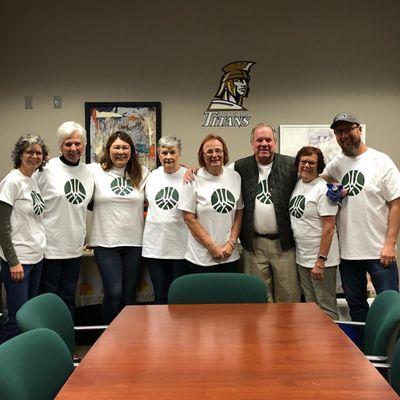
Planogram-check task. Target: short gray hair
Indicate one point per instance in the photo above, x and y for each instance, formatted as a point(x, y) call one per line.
point(169, 141)
point(66, 130)
point(22, 144)
point(263, 125)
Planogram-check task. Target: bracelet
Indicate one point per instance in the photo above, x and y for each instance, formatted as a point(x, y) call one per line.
point(231, 243)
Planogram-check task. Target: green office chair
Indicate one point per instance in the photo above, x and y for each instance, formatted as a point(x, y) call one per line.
point(381, 326)
point(48, 311)
point(34, 366)
point(395, 369)
point(217, 287)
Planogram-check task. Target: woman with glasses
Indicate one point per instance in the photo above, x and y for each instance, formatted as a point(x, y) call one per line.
point(312, 217)
point(212, 209)
point(22, 235)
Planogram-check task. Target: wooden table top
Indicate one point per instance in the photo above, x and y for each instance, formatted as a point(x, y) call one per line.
point(225, 351)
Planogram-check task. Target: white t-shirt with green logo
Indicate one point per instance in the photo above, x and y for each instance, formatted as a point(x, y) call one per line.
point(214, 200)
point(264, 210)
point(165, 233)
point(372, 180)
point(118, 210)
point(27, 232)
point(66, 191)
point(307, 205)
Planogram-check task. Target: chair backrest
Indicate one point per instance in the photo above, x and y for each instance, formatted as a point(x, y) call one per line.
point(34, 366)
point(382, 324)
point(395, 369)
point(217, 287)
point(48, 311)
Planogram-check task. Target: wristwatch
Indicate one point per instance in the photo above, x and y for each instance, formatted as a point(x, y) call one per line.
point(323, 258)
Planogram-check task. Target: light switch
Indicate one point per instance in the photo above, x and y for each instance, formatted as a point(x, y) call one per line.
point(28, 102)
point(57, 101)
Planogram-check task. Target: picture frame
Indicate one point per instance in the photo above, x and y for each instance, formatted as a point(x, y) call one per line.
point(293, 137)
point(141, 120)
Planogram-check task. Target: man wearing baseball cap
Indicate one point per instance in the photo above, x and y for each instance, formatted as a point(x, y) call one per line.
point(369, 219)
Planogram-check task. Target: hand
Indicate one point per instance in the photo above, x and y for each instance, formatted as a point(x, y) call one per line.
point(317, 273)
point(189, 175)
point(17, 273)
point(227, 250)
point(217, 252)
point(388, 255)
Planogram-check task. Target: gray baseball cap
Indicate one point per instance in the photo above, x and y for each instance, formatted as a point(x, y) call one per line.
point(345, 117)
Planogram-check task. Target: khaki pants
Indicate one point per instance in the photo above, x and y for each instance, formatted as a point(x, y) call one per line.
point(275, 267)
point(321, 292)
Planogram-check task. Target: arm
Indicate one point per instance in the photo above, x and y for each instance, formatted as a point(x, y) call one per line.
point(16, 269)
point(201, 235)
point(388, 253)
point(229, 246)
point(327, 178)
point(328, 229)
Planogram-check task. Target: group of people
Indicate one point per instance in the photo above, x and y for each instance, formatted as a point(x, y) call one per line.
point(279, 208)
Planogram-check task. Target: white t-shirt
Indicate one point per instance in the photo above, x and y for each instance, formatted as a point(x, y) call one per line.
point(118, 211)
point(264, 210)
point(214, 200)
point(27, 232)
point(307, 205)
point(66, 191)
point(372, 180)
point(165, 233)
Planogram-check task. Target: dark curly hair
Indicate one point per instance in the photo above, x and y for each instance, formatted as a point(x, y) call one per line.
point(132, 167)
point(308, 151)
point(22, 143)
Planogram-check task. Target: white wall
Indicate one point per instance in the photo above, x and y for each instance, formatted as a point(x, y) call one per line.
point(314, 59)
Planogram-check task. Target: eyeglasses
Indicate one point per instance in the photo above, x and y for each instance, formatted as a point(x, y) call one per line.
point(31, 153)
point(346, 129)
point(309, 162)
point(210, 152)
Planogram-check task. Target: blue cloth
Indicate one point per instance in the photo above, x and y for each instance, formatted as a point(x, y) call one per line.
point(334, 192)
point(119, 269)
point(60, 276)
point(17, 294)
point(354, 281)
point(162, 273)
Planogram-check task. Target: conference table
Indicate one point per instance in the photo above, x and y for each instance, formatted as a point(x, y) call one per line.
point(224, 351)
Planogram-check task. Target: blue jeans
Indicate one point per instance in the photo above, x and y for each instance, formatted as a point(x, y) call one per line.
point(119, 269)
point(162, 274)
point(60, 276)
point(354, 281)
point(17, 294)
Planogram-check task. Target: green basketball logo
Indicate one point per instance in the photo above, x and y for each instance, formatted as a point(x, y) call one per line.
point(263, 195)
point(297, 206)
point(353, 182)
point(167, 198)
point(38, 203)
point(222, 201)
point(74, 191)
point(121, 186)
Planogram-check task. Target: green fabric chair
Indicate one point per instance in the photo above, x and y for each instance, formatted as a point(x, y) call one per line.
point(34, 366)
point(48, 311)
point(381, 327)
point(215, 287)
point(395, 369)
point(382, 324)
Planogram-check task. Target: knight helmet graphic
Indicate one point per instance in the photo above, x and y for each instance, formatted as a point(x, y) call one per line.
point(234, 86)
